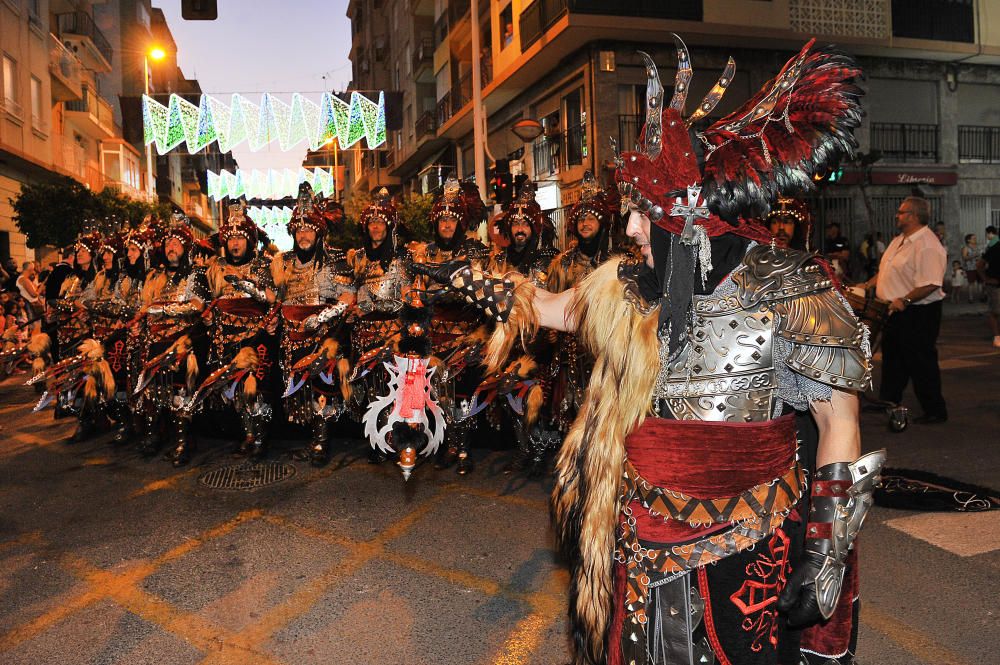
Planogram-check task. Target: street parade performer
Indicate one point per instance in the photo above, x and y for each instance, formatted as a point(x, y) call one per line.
point(684, 452)
point(242, 323)
point(173, 298)
point(315, 286)
point(591, 220)
point(790, 223)
point(458, 332)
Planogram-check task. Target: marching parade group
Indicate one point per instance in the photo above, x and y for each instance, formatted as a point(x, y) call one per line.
point(698, 391)
point(153, 327)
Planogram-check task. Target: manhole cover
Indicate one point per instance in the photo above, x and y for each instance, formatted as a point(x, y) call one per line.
point(247, 475)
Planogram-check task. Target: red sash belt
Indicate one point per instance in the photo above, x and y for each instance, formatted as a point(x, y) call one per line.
point(241, 307)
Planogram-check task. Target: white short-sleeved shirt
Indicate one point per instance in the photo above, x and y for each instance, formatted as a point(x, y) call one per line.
point(911, 261)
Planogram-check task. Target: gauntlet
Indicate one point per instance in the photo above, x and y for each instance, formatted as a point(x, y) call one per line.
point(493, 295)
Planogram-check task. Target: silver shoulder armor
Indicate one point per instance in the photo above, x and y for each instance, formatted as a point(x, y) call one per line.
point(829, 344)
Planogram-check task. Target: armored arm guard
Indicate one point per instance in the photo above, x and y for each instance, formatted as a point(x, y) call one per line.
point(493, 295)
point(175, 309)
point(841, 498)
point(248, 287)
point(107, 307)
point(324, 316)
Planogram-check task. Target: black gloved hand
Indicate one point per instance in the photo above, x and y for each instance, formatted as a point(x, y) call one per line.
point(440, 272)
point(798, 599)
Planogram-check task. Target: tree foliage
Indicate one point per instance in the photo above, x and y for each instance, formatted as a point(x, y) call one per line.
point(414, 218)
point(56, 213)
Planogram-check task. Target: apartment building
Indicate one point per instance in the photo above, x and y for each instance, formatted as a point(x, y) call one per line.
point(933, 70)
point(55, 119)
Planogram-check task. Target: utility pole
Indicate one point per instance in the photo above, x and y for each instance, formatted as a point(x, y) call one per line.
point(478, 112)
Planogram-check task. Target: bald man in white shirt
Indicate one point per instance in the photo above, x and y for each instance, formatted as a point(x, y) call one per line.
point(910, 276)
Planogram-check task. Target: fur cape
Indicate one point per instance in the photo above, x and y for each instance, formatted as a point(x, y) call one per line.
point(589, 465)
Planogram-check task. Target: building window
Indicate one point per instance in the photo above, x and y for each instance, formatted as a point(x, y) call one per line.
point(506, 27)
point(10, 96)
point(576, 128)
point(36, 103)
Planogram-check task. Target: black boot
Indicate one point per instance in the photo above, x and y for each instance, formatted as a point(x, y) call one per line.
point(318, 451)
point(86, 427)
point(447, 457)
point(148, 426)
point(465, 465)
point(125, 420)
point(183, 444)
point(259, 417)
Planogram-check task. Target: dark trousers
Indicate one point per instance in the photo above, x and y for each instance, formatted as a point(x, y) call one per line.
point(909, 351)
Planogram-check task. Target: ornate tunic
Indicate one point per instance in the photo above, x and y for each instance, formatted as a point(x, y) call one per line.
point(237, 317)
point(533, 264)
point(380, 293)
point(309, 284)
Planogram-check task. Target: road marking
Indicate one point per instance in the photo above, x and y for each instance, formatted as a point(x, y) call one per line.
point(964, 534)
point(163, 483)
point(547, 605)
point(960, 363)
point(909, 638)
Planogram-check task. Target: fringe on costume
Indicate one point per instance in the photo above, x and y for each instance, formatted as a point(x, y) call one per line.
point(521, 324)
point(589, 464)
point(247, 358)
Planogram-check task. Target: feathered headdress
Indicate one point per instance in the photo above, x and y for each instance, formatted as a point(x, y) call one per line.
point(799, 123)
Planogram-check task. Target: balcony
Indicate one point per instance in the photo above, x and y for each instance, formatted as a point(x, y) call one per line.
point(546, 151)
point(67, 85)
point(541, 14)
point(426, 125)
point(905, 142)
point(78, 30)
point(456, 11)
point(978, 145)
point(453, 100)
point(76, 163)
point(92, 115)
point(423, 57)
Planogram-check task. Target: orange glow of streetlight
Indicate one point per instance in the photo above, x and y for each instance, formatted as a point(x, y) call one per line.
point(157, 53)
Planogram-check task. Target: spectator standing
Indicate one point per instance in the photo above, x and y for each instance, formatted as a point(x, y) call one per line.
point(959, 280)
point(989, 270)
point(10, 275)
point(942, 234)
point(991, 236)
point(27, 286)
point(837, 250)
point(59, 273)
point(970, 258)
point(910, 277)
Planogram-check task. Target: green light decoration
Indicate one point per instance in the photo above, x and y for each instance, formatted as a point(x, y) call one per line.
point(269, 184)
point(274, 222)
point(211, 120)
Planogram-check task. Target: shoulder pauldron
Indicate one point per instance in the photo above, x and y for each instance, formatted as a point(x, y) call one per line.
point(829, 344)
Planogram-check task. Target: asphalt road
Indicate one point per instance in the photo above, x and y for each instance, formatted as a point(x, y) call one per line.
point(109, 558)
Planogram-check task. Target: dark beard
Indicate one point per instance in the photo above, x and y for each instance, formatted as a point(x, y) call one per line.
point(590, 246)
point(137, 270)
point(243, 260)
point(448, 245)
point(305, 255)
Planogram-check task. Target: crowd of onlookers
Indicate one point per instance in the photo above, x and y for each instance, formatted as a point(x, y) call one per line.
point(25, 292)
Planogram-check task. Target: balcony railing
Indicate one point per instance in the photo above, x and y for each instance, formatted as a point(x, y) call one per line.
point(454, 100)
point(905, 142)
point(546, 151)
point(80, 23)
point(65, 67)
point(423, 56)
point(100, 111)
point(541, 14)
point(576, 144)
point(426, 124)
point(979, 145)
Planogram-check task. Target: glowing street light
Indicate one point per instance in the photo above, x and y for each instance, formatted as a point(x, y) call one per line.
point(157, 53)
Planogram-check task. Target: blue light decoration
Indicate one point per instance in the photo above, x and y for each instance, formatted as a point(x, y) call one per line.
point(270, 184)
point(332, 119)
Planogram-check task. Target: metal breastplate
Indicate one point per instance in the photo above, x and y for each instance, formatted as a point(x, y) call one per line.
point(383, 287)
point(726, 370)
point(301, 287)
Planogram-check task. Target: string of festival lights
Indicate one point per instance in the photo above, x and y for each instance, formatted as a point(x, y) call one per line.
point(270, 184)
point(211, 120)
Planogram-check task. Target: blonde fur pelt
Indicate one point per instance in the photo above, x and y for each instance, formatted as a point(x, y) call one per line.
point(215, 275)
point(589, 464)
point(153, 287)
point(521, 324)
point(247, 358)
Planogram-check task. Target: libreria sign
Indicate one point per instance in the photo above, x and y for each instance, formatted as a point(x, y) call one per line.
point(273, 120)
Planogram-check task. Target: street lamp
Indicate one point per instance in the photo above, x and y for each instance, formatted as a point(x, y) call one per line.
point(156, 53)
